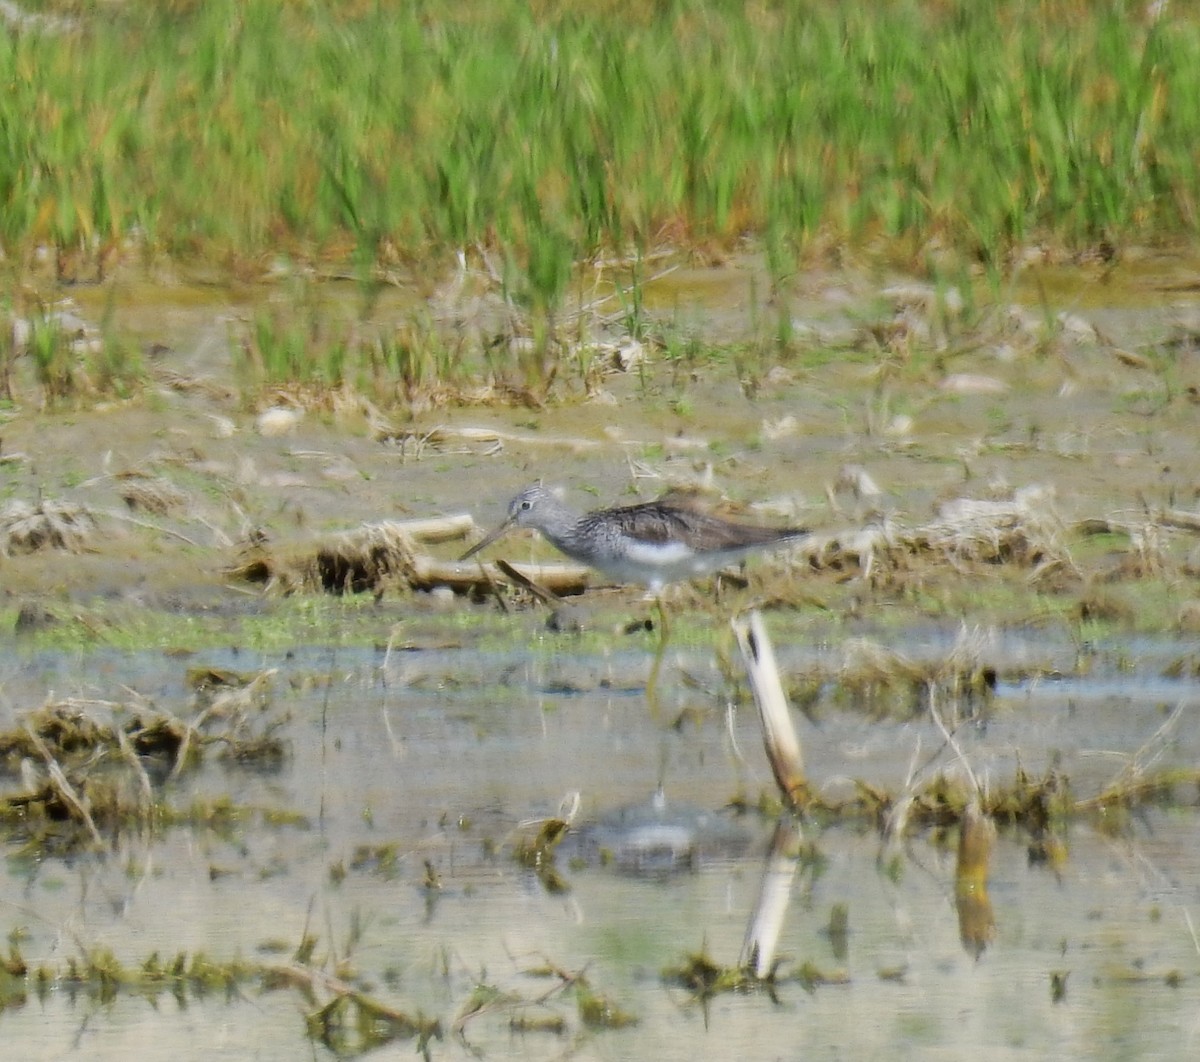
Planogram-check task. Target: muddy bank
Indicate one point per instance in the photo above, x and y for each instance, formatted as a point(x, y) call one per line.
point(890, 401)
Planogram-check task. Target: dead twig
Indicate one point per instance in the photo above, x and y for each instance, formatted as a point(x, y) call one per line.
point(63, 787)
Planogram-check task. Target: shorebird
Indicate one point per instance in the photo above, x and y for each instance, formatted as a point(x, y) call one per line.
point(653, 544)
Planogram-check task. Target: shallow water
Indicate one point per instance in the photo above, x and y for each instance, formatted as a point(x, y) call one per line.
point(443, 755)
point(448, 757)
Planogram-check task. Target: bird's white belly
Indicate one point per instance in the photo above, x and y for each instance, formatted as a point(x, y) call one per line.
point(655, 564)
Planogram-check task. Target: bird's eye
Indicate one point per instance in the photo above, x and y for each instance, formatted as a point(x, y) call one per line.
point(526, 505)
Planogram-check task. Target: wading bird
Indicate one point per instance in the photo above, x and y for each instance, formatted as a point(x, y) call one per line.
point(652, 544)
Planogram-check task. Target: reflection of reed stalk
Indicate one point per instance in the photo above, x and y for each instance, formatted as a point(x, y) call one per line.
point(766, 923)
point(976, 919)
point(976, 837)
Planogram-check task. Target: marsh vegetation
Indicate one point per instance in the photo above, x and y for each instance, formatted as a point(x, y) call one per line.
point(295, 297)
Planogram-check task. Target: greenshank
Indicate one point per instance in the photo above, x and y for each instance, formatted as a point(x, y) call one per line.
point(652, 544)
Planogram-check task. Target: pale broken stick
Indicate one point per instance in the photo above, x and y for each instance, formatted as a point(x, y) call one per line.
point(779, 735)
point(787, 764)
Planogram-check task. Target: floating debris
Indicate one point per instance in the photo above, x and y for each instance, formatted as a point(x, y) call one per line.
point(350, 1023)
point(91, 768)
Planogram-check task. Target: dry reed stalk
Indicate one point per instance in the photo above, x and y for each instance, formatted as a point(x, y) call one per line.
point(779, 735)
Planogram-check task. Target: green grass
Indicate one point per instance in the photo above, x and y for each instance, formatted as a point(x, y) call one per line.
point(65, 367)
point(379, 133)
point(315, 347)
point(1147, 606)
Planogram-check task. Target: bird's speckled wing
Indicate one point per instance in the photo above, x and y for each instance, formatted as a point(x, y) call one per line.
point(659, 522)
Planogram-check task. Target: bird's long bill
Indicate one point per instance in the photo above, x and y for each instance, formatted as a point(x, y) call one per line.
point(487, 540)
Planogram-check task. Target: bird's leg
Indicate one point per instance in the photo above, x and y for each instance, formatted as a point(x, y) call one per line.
point(664, 634)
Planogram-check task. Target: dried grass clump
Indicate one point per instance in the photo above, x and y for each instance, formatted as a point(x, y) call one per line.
point(884, 682)
point(26, 528)
point(151, 494)
point(65, 728)
point(1022, 530)
point(80, 775)
point(234, 715)
point(88, 768)
point(363, 560)
point(354, 562)
point(367, 560)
